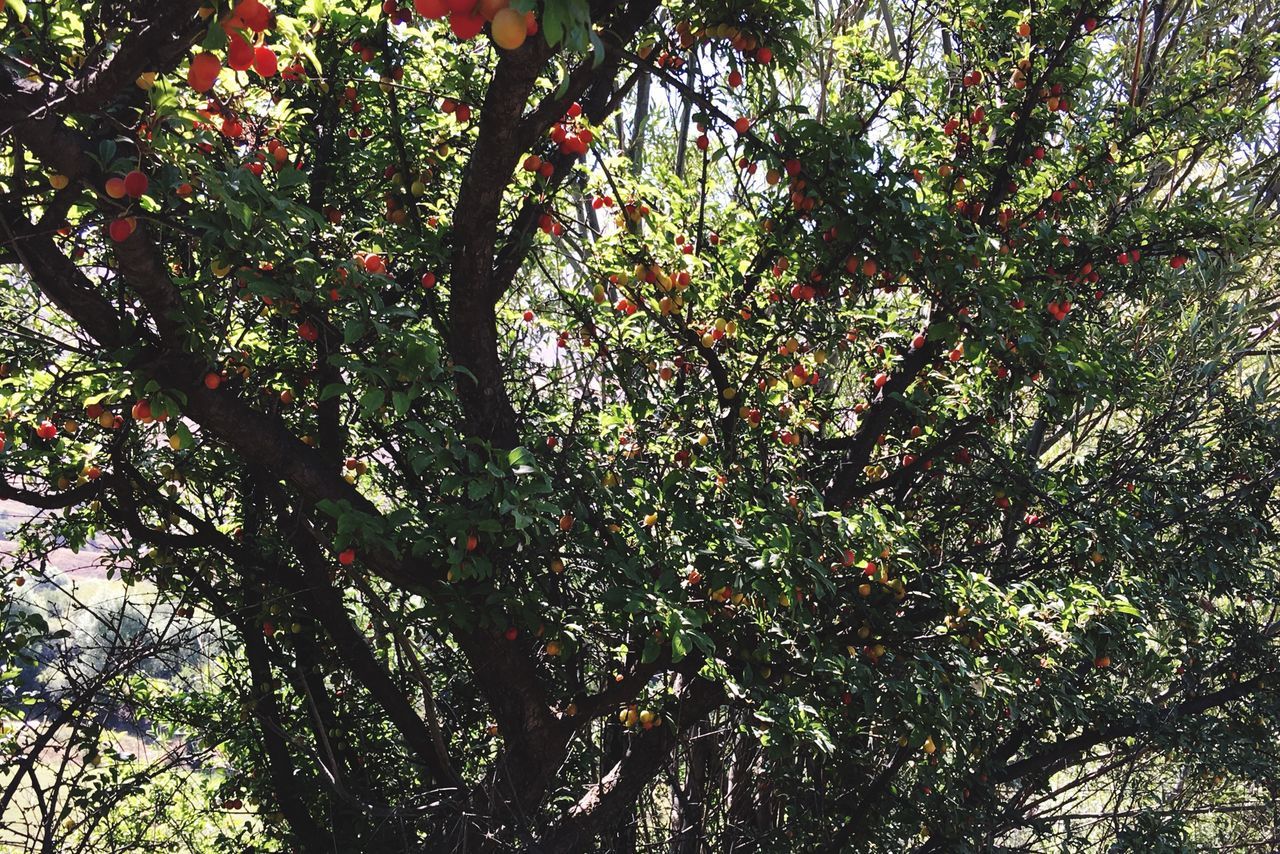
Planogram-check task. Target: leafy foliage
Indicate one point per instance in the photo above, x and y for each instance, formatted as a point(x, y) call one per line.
point(735, 422)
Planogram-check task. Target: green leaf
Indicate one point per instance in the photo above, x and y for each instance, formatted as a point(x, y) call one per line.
point(332, 390)
point(522, 461)
point(679, 647)
point(372, 400)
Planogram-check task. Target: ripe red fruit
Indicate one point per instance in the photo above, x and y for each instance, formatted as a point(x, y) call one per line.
point(764, 56)
point(373, 264)
point(735, 78)
point(135, 184)
point(430, 9)
point(239, 53)
point(142, 411)
point(46, 430)
point(1177, 262)
point(212, 380)
point(511, 633)
point(307, 331)
point(918, 341)
point(264, 61)
point(742, 125)
point(466, 27)
point(346, 557)
point(428, 280)
point(203, 72)
point(254, 15)
point(121, 229)
point(528, 316)
point(881, 379)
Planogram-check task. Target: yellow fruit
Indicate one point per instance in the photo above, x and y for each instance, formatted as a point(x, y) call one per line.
point(508, 29)
point(220, 268)
point(58, 182)
point(146, 80)
point(929, 746)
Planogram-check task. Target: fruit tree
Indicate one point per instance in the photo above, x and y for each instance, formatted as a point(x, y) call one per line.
point(624, 425)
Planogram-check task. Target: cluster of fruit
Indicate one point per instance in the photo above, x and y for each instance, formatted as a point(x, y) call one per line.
point(467, 18)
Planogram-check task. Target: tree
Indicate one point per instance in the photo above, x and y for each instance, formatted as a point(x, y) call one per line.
point(600, 425)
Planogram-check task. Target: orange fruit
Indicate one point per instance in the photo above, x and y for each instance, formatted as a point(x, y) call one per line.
point(508, 29)
point(204, 71)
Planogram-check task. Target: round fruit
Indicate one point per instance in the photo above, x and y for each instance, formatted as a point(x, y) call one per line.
point(239, 53)
point(430, 9)
point(121, 229)
point(135, 184)
point(204, 71)
point(264, 61)
point(509, 30)
point(465, 26)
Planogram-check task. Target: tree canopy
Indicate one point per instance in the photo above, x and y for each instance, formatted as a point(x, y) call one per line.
point(571, 425)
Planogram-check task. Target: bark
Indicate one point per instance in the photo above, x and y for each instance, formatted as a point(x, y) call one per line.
point(616, 794)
